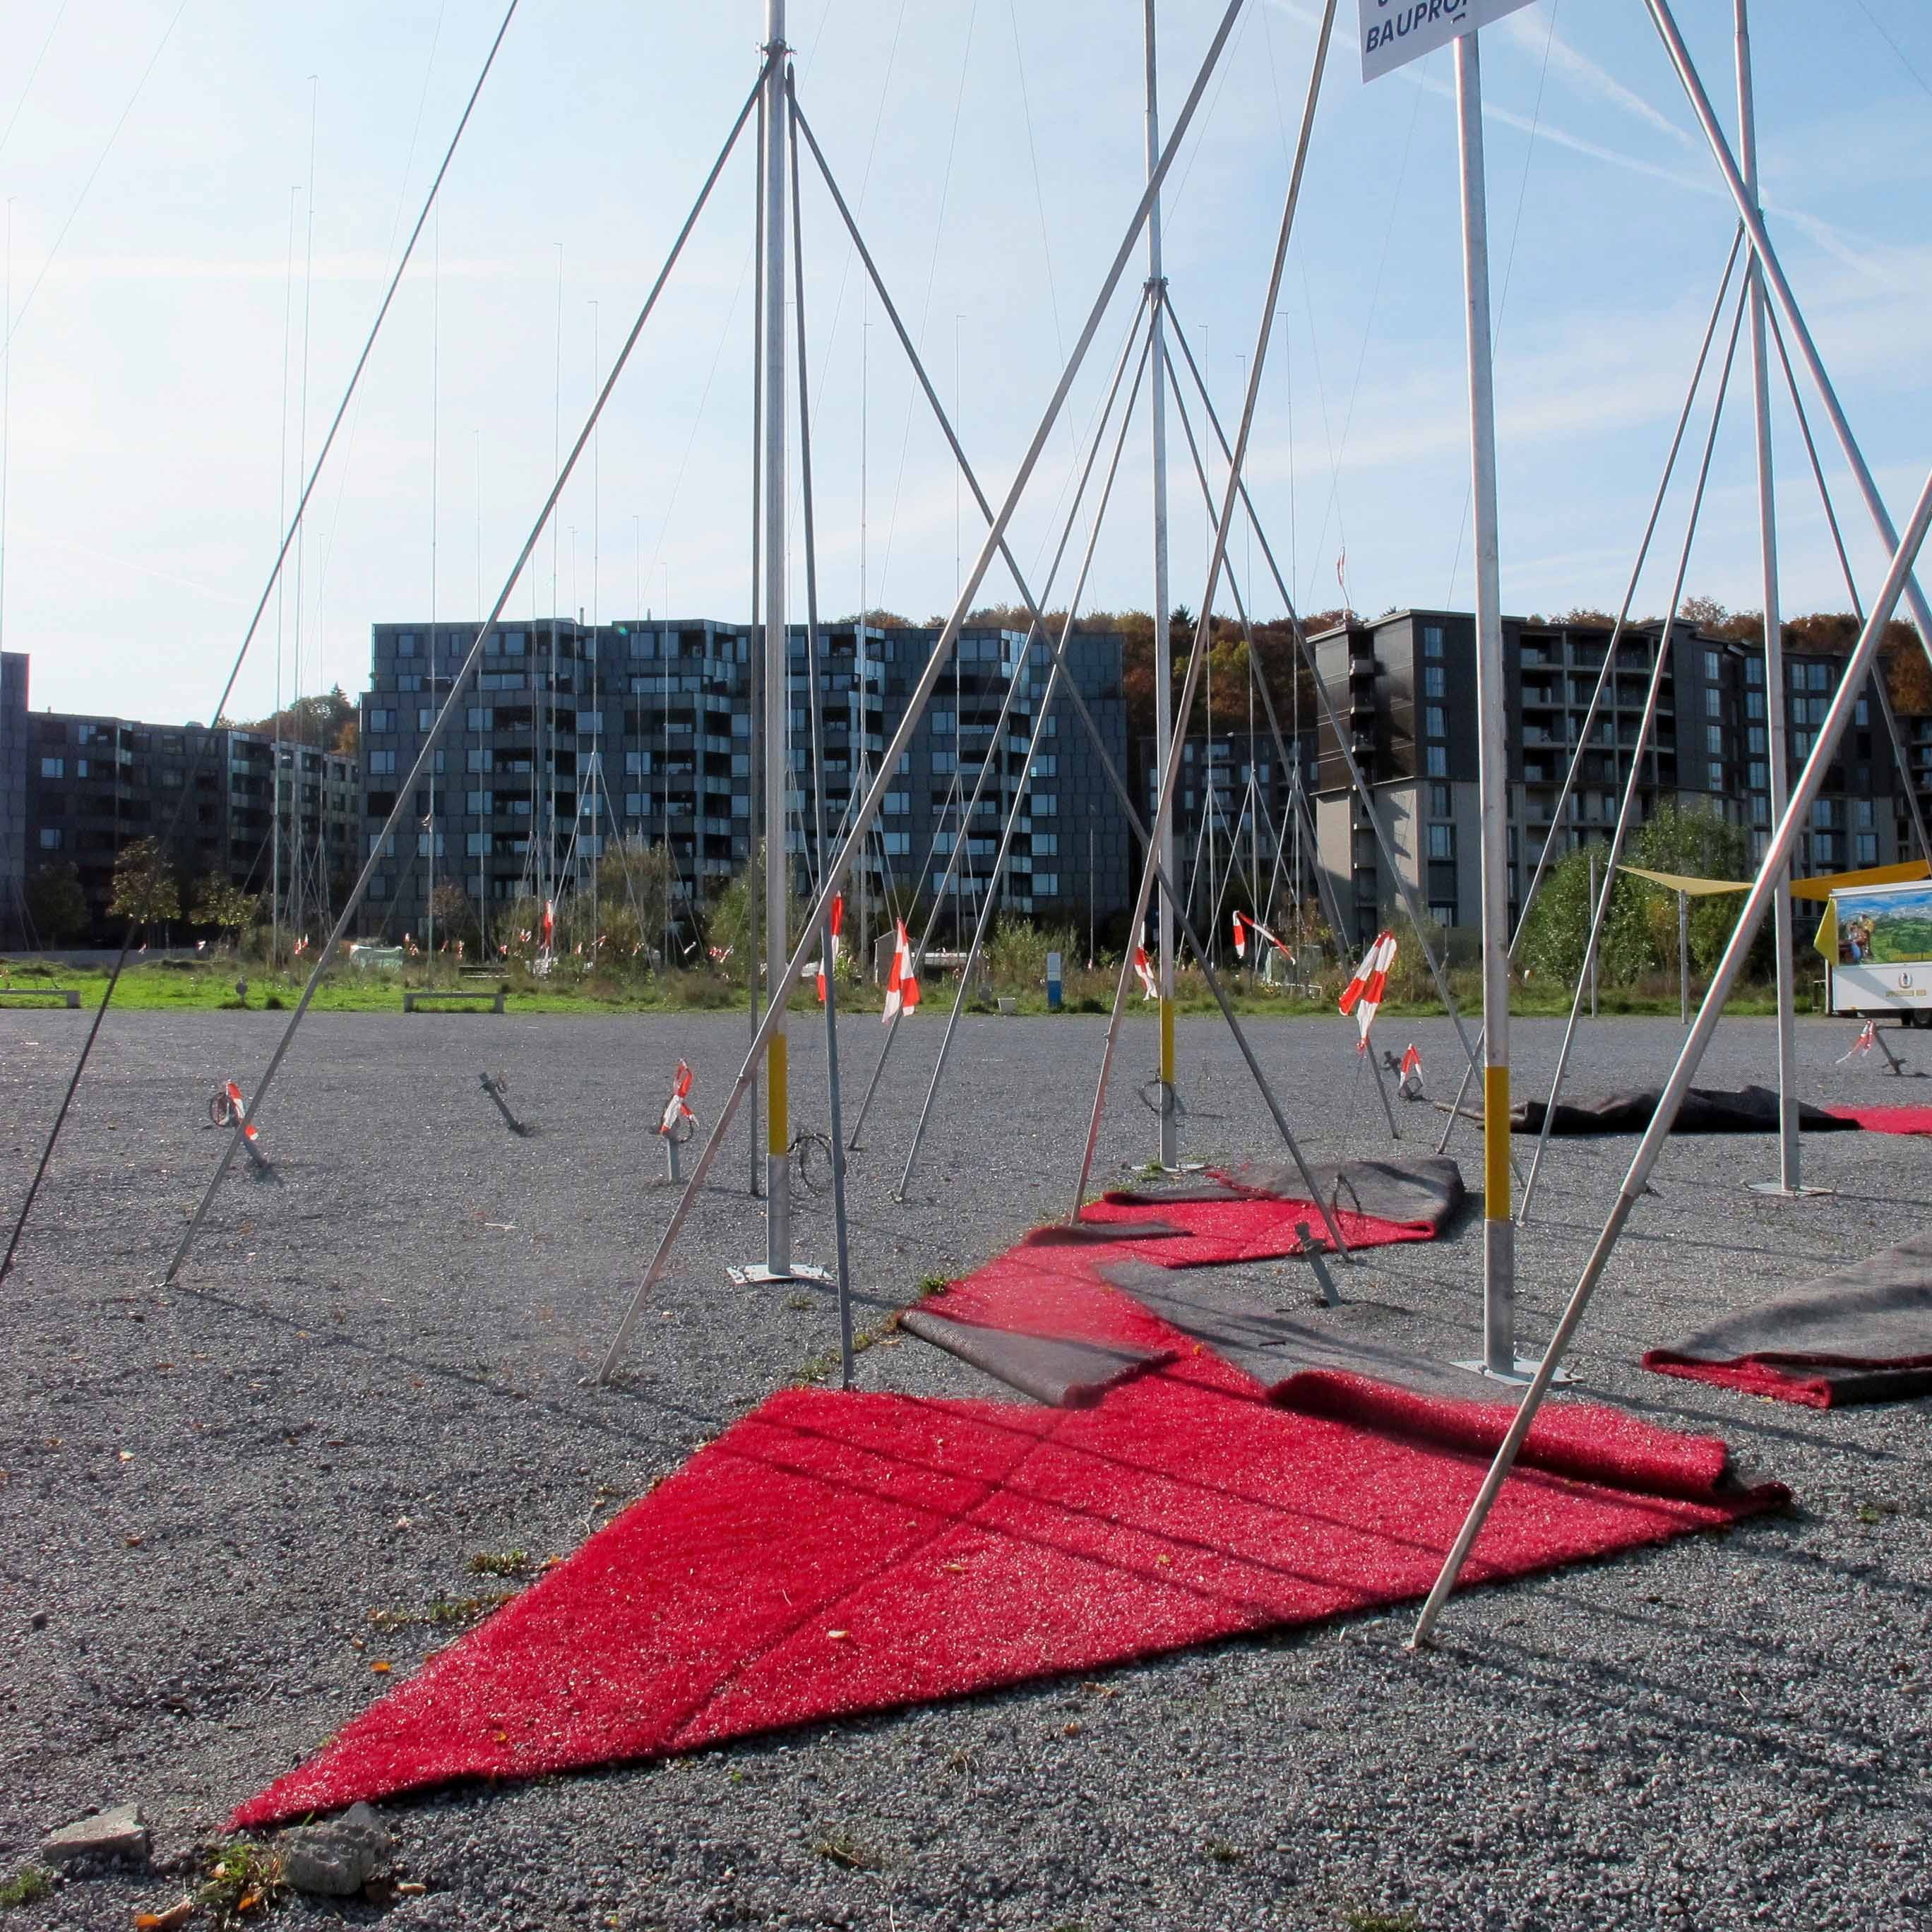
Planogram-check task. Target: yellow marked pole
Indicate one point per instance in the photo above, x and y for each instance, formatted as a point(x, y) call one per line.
point(778, 1114)
point(1496, 1143)
point(1166, 1049)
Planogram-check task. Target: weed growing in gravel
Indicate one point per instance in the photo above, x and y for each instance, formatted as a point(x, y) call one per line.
point(798, 1303)
point(242, 1877)
point(501, 1563)
point(28, 1886)
point(1379, 1922)
point(443, 1612)
point(932, 1284)
point(1223, 1853)
point(847, 1854)
point(1877, 1512)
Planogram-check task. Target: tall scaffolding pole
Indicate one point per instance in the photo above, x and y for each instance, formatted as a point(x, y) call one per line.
point(1788, 1176)
point(1161, 832)
point(778, 942)
point(1499, 1355)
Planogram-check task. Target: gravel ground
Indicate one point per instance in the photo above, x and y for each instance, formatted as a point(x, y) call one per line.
point(370, 1371)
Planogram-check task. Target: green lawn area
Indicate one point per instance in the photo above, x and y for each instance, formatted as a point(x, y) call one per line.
point(210, 985)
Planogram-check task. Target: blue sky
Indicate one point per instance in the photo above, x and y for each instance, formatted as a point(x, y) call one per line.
point(997, 149)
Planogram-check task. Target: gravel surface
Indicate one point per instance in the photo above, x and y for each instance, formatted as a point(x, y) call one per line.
point(370, 1371)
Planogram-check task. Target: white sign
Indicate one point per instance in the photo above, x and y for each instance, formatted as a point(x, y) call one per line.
point(1395, 32)
point(1858, 989)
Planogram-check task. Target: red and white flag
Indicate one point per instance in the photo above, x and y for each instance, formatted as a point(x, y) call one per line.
point(1149, 989)
point(838, 922)
point(1867, 1039)
point(902, 988)
point(1240, 937)
point(234, 1102)
point(1364, 993)
point(1412, 1062)
point(676, 1107)
point(549, 920)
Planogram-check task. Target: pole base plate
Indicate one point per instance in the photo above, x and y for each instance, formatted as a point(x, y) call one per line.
point(757, 1275)
point(1518, 1375)
point(1778, 1191)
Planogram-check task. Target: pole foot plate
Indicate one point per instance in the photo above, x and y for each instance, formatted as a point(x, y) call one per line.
point(1778, 1191)
point(758, 1275)
point(1518, 1375)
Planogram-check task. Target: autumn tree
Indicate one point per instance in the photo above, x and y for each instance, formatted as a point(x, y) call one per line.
point(145, 890)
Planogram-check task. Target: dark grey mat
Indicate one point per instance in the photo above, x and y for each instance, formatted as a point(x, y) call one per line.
point(1274, 1345)
point(1425, 1189)
point(1864, 1334)
point(1706, 1110)
point(1062, 1374)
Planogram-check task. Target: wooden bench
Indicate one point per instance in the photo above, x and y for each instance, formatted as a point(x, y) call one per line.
point(67, 995)
point(496, 996)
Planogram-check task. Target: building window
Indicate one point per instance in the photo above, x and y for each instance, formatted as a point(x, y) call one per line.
point(1432, 641)
point(1046, 805)
point(898, 804)
point(1443, 911)
point(1713, 738)
point(1820, 676)
point(1440, 804)
point(942, 724)
point(1046, 885)
point(1715, 773)
point(382, 764)
point(53, 768)
point(898, 845)
point(1757, 776)
point(479, 758)
point(51, 837)
point(1861, 715)
point(1435, 721)
point(1713, 666)
point(1046, 765)
point(1863, 815)
point(406, 643)
point(1436, 758)
point(1435, 681)
point(1442, 841)
point(381, 720)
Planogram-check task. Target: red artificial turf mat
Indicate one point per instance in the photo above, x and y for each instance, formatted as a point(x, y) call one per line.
point(1256, 1228)
point(1887, 1120)
point(833, 1554)
point(1589, 1441)
point(1751, 1374)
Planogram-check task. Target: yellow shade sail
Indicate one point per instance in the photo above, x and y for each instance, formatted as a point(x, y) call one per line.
point(1677, 882)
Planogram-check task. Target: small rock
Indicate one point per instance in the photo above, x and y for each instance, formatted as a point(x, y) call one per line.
point(117, 1833)
point(336, 1859)
point(38, 1620)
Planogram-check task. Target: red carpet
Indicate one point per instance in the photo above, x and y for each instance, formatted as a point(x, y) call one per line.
point(1887, 1120)
point(833, 1554)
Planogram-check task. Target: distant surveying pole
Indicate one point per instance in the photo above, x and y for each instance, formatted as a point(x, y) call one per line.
point(1493, 767)
point(1161, 832)
point(1392, 35)
point(778, 940)
point(1789, 1178)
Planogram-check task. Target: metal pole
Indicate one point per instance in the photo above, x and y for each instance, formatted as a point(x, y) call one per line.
point(1591, 921)
point(777, 1113)
point(757, 844)
point(809, 524)
point(1168, 1131)
point(1780, 288)
point(1788, 1172)
point(1784, 836)
point(1493, 767)
point(1222, 523)
point(995, 544)
point(1684, 957)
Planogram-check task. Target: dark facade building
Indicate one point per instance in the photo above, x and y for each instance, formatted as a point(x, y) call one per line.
point(13, 796)
point(1404, 687)
point(94, 785)
point(577, 735)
